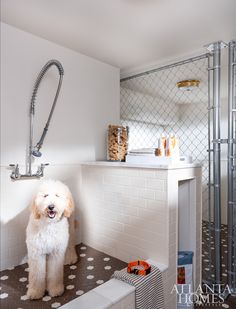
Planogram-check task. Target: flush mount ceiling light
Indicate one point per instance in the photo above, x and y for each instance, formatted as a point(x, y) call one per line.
point(188, 85)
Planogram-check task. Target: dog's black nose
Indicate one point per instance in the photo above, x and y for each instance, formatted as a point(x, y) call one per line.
point(51, 207)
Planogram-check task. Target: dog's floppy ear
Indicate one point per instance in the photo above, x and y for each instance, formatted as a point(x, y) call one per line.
point(34, 210)
point(70, 207)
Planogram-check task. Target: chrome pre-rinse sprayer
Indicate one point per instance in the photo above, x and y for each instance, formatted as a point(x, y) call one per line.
point(35, 150)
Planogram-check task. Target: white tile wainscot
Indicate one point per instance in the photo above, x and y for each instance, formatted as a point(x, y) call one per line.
point(144, 212)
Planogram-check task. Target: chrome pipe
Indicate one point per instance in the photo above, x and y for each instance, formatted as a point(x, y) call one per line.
point(231, 202)
point(36, 149)
point(217, 159)
point(209, 164)
point(215, 49)
point(165, 67)
point(29, 158)
point(40, 142)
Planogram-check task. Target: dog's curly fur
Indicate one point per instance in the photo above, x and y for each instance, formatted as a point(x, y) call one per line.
point(50, 239)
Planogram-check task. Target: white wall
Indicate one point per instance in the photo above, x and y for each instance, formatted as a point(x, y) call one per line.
point(88, 102)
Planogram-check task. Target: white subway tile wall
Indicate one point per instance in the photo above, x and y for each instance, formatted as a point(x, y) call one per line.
point(131, 222)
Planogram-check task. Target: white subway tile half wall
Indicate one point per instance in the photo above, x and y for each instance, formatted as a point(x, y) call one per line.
point(132, 222)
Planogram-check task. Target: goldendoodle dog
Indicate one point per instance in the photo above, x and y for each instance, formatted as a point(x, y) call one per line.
point(50, 239)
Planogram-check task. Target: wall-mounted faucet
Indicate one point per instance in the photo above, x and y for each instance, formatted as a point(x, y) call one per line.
point(35, 151)
point(15, 175)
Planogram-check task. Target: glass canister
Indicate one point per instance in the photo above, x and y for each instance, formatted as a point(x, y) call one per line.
point(117, 142)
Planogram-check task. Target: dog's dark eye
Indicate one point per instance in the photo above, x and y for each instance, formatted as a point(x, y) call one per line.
point(57, 195)
point(45, 195)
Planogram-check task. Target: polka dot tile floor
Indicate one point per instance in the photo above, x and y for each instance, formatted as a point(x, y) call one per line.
point(208, 265)
point(92, 269)
point(208, 249)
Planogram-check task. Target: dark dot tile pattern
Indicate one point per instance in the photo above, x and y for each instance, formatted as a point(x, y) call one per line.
point(92, 269)
point(208, 252)
point(208, 263)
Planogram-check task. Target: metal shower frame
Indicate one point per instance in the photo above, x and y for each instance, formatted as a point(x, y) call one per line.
point(214, 157)
point(214, 161)
point(231, 196)
point(214, 153)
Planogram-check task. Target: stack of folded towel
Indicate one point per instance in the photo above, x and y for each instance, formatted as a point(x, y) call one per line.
point(148, 289)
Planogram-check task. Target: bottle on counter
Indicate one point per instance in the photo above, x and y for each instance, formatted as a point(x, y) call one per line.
point(172, 146)
point(161, 150)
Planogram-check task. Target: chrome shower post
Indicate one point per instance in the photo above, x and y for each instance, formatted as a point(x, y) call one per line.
point(231, 198)
point(29, 161)
point(215, 49)
point(209, 150)
point(40, 142)
point(217, 158)
point(35, 150)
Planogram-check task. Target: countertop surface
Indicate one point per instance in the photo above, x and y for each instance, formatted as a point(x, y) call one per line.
point(174, 165)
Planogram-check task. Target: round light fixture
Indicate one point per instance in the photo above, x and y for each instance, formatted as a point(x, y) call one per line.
point(188, 84)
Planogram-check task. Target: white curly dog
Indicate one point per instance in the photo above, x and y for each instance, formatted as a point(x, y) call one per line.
point(50, 239)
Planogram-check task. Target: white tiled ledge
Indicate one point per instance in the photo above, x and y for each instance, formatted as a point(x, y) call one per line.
point(148, 166)
point(114, 294)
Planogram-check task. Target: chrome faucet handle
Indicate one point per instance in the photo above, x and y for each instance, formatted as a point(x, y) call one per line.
point(16, 166)
point(12, 165)
point(44, 164)
point(16, 172)
point(41, 169)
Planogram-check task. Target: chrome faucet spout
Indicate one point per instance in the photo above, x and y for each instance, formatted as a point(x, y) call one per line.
point(35, 151)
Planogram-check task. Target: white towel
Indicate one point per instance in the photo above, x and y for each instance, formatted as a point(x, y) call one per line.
point(148, 289)
point(142, 151)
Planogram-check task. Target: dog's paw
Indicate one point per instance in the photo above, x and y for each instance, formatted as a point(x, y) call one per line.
point(71, 257)
point(56, 290)
point(35, 294)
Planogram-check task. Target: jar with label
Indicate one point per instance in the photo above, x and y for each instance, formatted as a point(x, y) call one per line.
point(117, 143)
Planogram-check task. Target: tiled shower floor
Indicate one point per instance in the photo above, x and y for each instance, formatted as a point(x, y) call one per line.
point(208, 248)
point(92, 269)
point(208, 266)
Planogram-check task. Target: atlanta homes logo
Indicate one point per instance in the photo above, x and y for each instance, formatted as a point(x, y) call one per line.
point(203, 295)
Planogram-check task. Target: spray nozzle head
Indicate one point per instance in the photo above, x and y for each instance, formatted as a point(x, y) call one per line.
point(36, 153)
